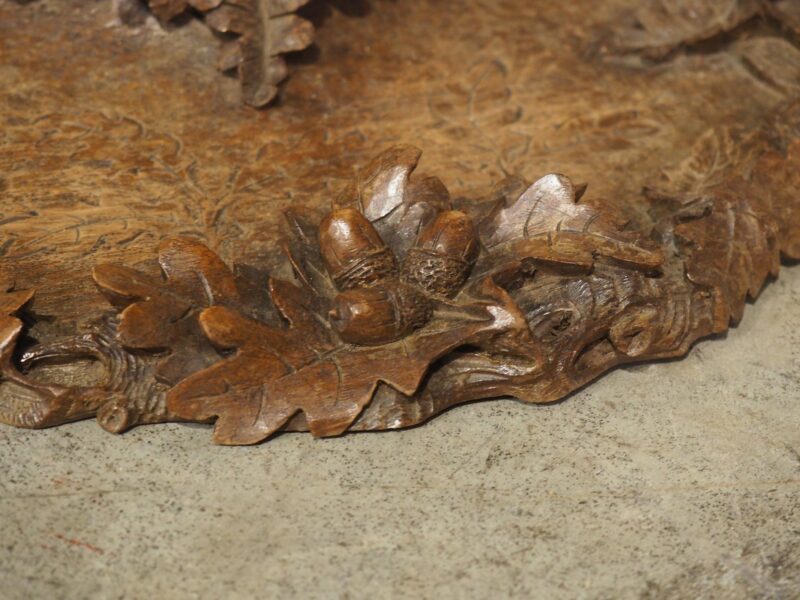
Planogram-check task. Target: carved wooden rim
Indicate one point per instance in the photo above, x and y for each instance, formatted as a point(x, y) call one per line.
point(403, 302)
point(400, 301)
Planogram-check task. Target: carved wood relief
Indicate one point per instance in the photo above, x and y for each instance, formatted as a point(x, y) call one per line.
point(400, 295)
point(257, 34)
point(381, 301)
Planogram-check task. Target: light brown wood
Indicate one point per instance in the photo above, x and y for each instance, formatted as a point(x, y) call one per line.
point(291, 270)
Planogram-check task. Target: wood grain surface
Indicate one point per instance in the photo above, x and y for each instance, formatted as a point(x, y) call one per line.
point(117, 139)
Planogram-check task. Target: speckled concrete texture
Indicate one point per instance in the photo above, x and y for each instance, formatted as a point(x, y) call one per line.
point(673, 480)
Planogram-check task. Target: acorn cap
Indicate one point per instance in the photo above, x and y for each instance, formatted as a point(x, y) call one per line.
point(443, 256)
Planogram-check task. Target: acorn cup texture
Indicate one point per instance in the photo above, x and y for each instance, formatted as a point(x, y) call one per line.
point(444, 253)
point(353, 252)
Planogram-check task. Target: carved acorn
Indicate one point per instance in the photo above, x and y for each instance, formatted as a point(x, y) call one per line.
point(375, 306)
point(380, 314)
point(443, 255)
point(353, 252)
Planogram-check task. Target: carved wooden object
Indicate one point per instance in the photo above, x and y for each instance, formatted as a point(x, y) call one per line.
point(260, 32)
point(383, 300)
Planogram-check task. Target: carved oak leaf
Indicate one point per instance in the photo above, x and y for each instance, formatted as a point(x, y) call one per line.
point(734, 268)
point(737, 244)
point(11, 302)
point(481, 96)
point(10, 328)
point(787, 12)
point(160, 314)
point(276, 373)
point(774, 179)
point(396, 204)
point(266, 29)
point(169, 9)
point(548, 224)
point(474, 105)
point(772, 61)
point(662, 26)
point(302, 249)
point(32, 404)
point(715, 155)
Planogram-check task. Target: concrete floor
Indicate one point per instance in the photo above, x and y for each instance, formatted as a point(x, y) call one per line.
point(674, 480)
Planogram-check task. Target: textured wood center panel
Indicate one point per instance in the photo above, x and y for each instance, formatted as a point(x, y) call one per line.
point(113, 137)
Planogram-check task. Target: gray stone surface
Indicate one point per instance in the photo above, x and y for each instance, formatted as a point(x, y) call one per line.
point(673, 480)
